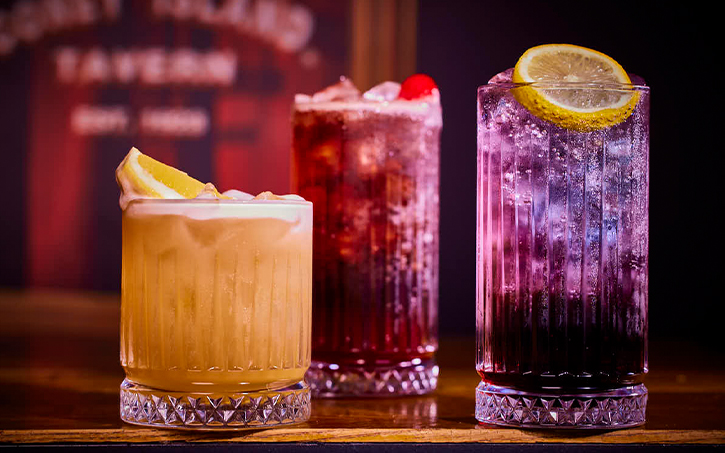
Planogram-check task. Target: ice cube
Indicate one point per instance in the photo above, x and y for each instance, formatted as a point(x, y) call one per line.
point(208, 193)
point(238, 195)
point(386, 91)
point(302, 98)
point(344, 90)
point(637, 80)
point(267, 195)
point(503, 77)
point(293, 197)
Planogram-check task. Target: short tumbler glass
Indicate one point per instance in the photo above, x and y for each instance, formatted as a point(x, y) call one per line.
point(216, 313)
point(562, 265)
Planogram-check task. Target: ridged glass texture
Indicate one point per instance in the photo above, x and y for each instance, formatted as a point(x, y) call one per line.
point(619, 408)
point(373, 178)
point(140, 405)
point(216, 296)
point(562, 249)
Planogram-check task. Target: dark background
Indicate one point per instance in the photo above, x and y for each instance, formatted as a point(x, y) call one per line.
point(673, 45)
point(463, 44)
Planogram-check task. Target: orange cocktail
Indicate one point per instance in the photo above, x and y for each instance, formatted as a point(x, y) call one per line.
point(216, 310)
point(216, 296)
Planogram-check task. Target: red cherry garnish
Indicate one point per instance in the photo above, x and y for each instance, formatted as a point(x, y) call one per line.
point(417, 86)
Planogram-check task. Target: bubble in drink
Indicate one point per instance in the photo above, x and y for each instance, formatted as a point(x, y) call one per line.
point(215, 302)
point(386, 91)
point(370, 165)
point(562, 215)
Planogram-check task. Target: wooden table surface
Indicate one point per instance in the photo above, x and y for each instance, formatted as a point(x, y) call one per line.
point(59, 380)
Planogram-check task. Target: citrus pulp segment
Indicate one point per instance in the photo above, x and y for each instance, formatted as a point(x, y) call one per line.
point(573, 87)
point(140, 176)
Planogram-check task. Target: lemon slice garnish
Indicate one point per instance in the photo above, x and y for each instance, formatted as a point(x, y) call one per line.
point(140, 176)
point(574, 87)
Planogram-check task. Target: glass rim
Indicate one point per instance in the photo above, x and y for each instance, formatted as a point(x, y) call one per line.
point(216, 202)
point(569, 86)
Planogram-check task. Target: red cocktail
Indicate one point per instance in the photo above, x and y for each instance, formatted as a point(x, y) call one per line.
point(370, 165)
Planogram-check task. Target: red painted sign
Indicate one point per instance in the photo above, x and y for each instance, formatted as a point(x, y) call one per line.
point(204, 85)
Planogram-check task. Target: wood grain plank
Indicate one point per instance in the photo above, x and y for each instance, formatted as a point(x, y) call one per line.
point(482, 435)
point(59, 378)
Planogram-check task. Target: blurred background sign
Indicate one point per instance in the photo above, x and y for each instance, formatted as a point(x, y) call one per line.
point(203, 85)
point(207, 85)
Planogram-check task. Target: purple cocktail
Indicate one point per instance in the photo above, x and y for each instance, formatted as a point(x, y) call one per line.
point(562, 259)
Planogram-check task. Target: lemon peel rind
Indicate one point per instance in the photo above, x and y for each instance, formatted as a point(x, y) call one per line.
point(580, 121)
point(522, 76)
point(128, 177)
point(191, 189)
point(136, 175)
point(539, 104)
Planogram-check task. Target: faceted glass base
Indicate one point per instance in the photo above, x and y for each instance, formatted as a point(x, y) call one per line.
point(329, 380)
point(620, 408)
point(142, 405)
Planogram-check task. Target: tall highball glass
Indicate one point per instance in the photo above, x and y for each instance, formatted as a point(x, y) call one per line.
point(371, 168)
point(562, 264)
